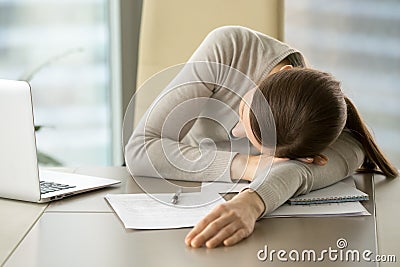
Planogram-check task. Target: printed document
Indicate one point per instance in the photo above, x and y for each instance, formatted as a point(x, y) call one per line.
point(143, 211)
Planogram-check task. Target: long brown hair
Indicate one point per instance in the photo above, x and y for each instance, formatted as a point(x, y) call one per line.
point(375, 158)
point(310, 111)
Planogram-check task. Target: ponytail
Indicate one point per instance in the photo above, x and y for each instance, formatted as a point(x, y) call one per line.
point(374, 157)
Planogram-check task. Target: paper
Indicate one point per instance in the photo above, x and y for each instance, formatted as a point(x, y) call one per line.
point(223, 188)
point(354, 208)
point(338, 192)
point(140, 211)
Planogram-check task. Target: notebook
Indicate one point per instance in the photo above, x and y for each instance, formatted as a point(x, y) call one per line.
point(343, 191)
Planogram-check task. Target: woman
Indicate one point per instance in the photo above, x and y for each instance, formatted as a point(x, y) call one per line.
point(191, 133)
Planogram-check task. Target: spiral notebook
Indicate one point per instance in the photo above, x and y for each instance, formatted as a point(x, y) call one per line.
point(343, 191)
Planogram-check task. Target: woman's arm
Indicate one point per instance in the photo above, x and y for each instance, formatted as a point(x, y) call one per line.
point(156, 148)
point(235, 220)
point(294, 178)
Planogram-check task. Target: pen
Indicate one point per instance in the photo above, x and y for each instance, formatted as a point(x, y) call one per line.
point(175, 197)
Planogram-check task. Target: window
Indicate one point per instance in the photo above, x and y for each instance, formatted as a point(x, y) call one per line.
point(358, 41)
point(63, 48)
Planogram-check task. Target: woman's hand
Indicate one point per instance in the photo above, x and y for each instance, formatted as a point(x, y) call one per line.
point(231, 222)
point(320, 160)
point(228, 223)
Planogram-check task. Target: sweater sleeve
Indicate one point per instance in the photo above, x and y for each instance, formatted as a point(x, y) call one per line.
point(156, 149)
point(293, 178)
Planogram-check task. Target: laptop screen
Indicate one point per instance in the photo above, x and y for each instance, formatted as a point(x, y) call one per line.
point(18, 159)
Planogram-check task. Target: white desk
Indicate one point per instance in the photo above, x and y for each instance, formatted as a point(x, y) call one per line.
point(83, 231)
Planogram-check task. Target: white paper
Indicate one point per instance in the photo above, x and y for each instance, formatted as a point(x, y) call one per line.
point(354, 208)
point(140, 211)
point(222, 188)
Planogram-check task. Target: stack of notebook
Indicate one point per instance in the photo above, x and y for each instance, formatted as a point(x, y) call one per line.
point(340, 199)
point(344, 191)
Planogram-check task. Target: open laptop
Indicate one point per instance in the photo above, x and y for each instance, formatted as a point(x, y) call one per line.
point(20, 177)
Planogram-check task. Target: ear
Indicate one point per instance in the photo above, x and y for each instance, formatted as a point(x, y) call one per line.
point(286, 67)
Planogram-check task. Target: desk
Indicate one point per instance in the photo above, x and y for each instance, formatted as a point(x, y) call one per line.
point(84, 231)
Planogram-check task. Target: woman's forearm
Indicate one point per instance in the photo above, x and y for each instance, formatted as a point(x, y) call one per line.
point(293, 177)
point(238, 166)
point(253, 200)
point(247, 167)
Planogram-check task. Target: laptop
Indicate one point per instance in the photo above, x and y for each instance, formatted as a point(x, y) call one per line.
point(20, 176)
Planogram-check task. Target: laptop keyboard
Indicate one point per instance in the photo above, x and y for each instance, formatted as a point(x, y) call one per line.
point(47, 187)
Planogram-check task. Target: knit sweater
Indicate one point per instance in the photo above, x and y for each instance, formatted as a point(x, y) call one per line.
point(186, 132)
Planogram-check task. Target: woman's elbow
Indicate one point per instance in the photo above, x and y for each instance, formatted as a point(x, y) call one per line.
point(137, 159)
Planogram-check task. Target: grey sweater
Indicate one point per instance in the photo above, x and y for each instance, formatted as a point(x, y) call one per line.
point(185, 134)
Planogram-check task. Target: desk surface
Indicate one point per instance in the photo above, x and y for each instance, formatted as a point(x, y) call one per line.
point(83, 231)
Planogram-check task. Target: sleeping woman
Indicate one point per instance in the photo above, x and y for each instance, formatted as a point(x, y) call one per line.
point(246, 106)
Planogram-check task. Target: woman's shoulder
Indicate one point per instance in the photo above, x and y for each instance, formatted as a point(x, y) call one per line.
point(230, 30)
point(236, 33)
point(249, 51)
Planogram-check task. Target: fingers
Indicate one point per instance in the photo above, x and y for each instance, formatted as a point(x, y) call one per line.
point(317, 159)
point(275, 159)
point(223, 234)
point(200, 226)
point(227, 224)
point(215, 228)
point(236, 237)
point(320, 160)
point(306, 160)
point(212, 229)
point(216, 234)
